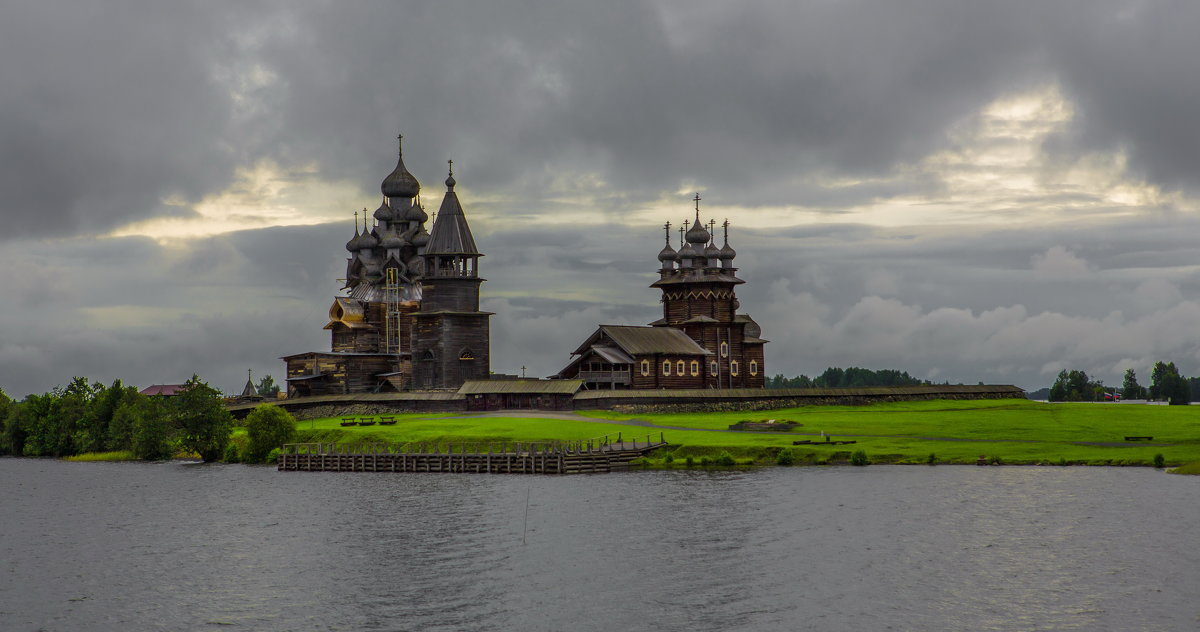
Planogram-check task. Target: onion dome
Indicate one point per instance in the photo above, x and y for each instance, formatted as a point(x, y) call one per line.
point(352, 245)
point(712, 253)
point(416, 214)
point(367, 241)
point(686, 254)
point(697, 234)
point(727, 253)
point(421, 238)
point(384, 213)
point(667, 254)
point(400, 183)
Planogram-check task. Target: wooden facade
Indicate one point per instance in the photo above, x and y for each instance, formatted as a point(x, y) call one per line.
point(717, 348)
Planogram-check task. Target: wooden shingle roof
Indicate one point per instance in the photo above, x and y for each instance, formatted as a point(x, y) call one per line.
point(637, 341)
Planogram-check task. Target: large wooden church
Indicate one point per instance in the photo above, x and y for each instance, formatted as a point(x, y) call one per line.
point(410, 318)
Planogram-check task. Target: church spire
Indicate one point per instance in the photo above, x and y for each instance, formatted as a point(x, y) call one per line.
point(450, 234)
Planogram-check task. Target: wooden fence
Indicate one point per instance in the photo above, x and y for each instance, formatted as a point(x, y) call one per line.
point(600, 454)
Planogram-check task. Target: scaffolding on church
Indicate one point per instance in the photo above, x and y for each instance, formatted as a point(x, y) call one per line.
point(391, 307)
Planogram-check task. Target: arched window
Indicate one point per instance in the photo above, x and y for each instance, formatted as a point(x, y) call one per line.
point(724, 349)
point(713, 368)
point(733, 367)
point(645, 367)
point(466, 354)
point(679, 367)
point(754, 367)
point(695, 367)
point(428, 355)
point(666, 367)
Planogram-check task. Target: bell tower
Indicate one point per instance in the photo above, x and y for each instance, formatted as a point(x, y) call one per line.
point(451, 341)
point(697, 283)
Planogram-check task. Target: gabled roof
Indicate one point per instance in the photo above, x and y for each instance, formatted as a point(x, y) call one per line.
point(637, 341)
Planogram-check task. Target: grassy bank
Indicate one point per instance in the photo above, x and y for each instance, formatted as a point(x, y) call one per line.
point(1004, 431)
point(102, 456)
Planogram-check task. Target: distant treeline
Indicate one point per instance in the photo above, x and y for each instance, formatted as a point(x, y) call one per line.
point(835, 377)
point(1166, 384)
point(86, 417)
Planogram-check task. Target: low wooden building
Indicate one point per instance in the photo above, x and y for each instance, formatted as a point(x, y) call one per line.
point(520, 394)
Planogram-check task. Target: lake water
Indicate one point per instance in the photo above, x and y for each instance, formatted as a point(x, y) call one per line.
point(173, 546)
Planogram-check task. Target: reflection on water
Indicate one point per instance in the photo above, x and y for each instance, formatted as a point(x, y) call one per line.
point(187, 546)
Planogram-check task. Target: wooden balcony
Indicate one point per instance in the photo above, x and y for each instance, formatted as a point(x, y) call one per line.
point(606, 377)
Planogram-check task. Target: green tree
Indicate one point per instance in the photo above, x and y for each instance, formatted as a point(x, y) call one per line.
point(1166, 383)
point(151, 432)
point(267, 427)
point(267, 387)
point(1130, 389)
point(201, 420)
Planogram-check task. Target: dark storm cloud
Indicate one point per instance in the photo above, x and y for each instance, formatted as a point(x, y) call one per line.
point(107, 110)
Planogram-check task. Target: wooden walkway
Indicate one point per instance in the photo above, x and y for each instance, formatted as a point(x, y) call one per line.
point(601, 454)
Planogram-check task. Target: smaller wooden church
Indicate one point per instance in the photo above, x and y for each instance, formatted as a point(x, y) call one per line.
point(700, 342)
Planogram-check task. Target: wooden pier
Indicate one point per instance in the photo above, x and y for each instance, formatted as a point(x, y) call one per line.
point(559, 457)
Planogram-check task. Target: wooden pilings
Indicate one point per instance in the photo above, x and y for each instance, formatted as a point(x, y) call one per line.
point(574, 457)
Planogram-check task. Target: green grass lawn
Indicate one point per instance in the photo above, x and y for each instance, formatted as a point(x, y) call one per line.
point(1013, 431)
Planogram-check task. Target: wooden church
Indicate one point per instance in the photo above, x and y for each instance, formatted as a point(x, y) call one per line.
point(700, 342)
point(410, 318)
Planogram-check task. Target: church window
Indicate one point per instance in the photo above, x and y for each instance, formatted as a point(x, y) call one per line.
point(724, 349)
point(666, 367)
point(466, 354)
point(713, 368)
point(695, 367)
point(645, 367)
point(754, 367)
point(680, 368)
point(428, 355)
point(733, 367)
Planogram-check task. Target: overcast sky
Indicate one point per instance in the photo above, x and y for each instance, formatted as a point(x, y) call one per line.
point(966, 190)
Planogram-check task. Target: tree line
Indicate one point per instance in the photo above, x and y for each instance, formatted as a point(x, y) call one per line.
point(85, 417)
point(1166, 383)
point(835, 377)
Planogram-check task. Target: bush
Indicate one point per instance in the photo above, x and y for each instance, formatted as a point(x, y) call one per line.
point(273, 455)
point(669, 458)
point(267, 426)
point(725, 459)
point(997, 461)
point(232, 453)
point(690, 461)
point(931, 459)
point(1159, 461)
point(786, 456)
point(859, 457)
point(705, 461)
